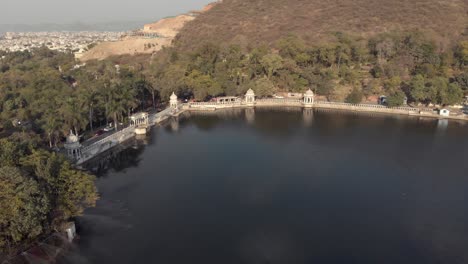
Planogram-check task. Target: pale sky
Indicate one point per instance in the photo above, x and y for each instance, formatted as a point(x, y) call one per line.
point(89, 11)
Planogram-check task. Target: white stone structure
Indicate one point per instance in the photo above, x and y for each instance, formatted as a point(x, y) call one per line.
point(173, 100)
point(444, 112)
point(228, 100)
point(140, 131)
point(139, 119)
point(73, 146)
point(309, 98)
point(250, 97)
point(70, 231)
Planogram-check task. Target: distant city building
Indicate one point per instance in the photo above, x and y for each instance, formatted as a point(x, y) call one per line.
point(76, 42)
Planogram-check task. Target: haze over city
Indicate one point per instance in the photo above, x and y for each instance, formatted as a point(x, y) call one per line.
point(90, 11)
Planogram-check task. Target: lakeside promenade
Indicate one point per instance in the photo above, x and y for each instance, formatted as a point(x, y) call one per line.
point(142, 121)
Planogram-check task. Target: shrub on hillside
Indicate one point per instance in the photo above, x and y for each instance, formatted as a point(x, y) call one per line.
point(355, 97)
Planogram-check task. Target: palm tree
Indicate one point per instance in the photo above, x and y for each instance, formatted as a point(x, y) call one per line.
point(51, 126)
point(73, 114)
point(128, 98)
point(115, 106)
point(88, 100)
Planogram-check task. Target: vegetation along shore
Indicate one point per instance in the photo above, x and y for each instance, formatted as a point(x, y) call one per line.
point(45, 94)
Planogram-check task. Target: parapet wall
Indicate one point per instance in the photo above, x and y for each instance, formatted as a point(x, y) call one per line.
point(368, 108)
point(119, 137)
point(282, 102)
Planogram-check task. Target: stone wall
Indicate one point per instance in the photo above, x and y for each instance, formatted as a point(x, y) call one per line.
point(119, 137)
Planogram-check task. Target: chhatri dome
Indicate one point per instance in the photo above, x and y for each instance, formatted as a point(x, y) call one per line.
point(309, 92)
point(173, 96)
point(72, 138)
point(250, 92)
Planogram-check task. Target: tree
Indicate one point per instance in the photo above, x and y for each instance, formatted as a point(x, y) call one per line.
point(88, 99)
point(454, 94)
point(355, 97)
point(154, 88)
point(11, 152)
point(115, 105)
point(392, 84)
point(396, 98)
point(293, 47)
point(418, 89)
point(271, 63)
point(440, 86)
point(461, 53)
point(73, 115)
point(76, 191)
point(51, 125)
point(321, 81)
point(462, 81)
point(128, 98)
point(202, 85)
point(69, 190)
point(173, 80)
point(24, 207)
point(263, 87)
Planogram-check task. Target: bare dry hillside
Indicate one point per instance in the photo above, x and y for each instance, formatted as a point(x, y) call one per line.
point(129, 46)
point(168, 27)
point(147, 41)
point(252, 21)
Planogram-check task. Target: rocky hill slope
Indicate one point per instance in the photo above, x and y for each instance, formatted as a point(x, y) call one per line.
point(146, 41)
point(253, 21)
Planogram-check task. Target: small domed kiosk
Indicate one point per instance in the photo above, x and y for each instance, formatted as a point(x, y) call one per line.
point(309, 98)
point(141, 122)
point(250, 97)
point(73, 146)
point(173, 100)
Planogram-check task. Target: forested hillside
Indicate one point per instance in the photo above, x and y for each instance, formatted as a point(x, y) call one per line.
point(265, 21)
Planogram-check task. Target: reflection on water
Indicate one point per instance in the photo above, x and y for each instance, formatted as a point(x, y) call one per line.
point(282, 186)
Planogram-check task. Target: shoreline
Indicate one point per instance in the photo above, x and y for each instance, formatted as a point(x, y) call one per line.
point(90, 152)
point(346, 107)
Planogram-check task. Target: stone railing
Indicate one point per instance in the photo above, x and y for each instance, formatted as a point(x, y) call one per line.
point(114, 137)
point(202, 103)
point(158, 117)
point(95, 148)
point(118, 137)
point(212, 105)
point(106, 143)
point(279, 102)
point(367, 107)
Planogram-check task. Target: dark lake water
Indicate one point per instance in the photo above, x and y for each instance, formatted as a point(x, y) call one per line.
point(283, 186)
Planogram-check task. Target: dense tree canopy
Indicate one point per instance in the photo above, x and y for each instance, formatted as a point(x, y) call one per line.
point(49, 93)
point(39, 191)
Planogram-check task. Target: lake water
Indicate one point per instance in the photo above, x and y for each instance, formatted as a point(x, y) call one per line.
point(283, 186)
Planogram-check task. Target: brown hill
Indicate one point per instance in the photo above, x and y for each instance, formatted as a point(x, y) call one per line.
point(128, 46)
point(252, 21)
point(168, 27)
point(147, 41)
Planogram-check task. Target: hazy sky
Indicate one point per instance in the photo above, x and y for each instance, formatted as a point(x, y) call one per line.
point(65, 11)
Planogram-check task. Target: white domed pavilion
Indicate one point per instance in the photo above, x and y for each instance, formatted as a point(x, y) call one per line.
point(173, 100)
point(250, 97)
point(73, 146)
point(309, 98)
